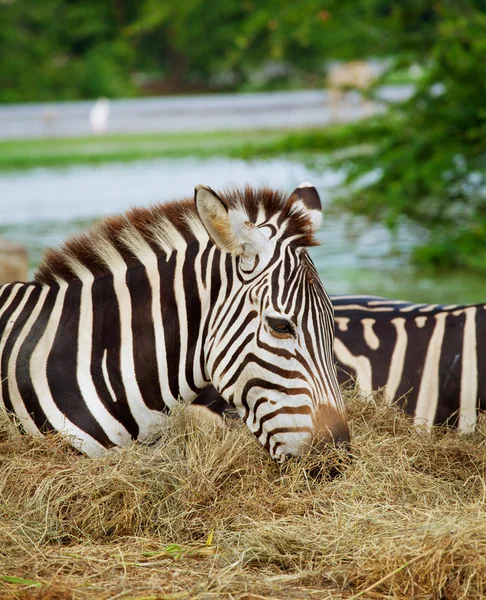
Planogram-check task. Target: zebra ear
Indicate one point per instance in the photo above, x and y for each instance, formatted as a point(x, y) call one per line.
point(229, 228)
point(214, 215)
point(305, 199)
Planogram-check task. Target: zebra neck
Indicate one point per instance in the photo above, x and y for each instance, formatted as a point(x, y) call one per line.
point(169, 301)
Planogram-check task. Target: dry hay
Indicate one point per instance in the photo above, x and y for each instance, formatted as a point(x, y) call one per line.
point(208, 515)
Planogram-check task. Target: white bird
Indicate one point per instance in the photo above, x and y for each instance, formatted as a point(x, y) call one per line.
point(99, 116)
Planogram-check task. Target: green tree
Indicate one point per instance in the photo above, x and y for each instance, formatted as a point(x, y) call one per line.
point(62, 49)
point(429, 153)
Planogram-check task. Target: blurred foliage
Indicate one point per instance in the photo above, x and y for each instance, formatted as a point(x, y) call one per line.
point(424, 159)
point(59, 49)
point(428, 154)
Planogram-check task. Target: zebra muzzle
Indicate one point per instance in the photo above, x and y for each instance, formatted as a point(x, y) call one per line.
point(330, 447)
point(330, 427)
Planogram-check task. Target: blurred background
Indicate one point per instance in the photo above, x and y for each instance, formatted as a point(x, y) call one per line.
point(105, 104)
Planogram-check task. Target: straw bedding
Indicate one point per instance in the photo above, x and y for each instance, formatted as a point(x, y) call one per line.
point(204, 513)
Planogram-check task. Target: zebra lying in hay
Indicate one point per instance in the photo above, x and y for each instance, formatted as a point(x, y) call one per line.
point(427, 358)
point(153, 305)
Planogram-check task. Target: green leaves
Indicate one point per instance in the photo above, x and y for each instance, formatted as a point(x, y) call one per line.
point(431, 156)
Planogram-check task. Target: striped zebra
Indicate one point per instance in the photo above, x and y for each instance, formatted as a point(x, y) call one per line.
point(425, 357)
point(152, 306)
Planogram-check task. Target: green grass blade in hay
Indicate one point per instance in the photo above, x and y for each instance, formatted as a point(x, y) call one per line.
point(20, 581)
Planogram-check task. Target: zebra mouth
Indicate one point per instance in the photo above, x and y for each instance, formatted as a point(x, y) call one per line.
point(331, 464)
point(321, 464)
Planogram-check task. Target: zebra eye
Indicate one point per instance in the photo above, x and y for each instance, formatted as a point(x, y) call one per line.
point(280, 325)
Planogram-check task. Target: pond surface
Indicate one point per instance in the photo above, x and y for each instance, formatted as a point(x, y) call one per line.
point(40, 207)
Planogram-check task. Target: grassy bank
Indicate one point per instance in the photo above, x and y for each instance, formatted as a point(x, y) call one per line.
point(208, 515)
point(22, 154)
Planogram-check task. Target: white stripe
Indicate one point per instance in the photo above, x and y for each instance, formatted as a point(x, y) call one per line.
point(6, 330)
point(469, 374)
point(8, 301)
point(370, 336)
point(147, 420)
point(428, 397)
point(360, 364)
point(363, 308)
point(107, 377)
point(185, 392)
point(354, 297)
point(428, 308)
point(114, 430)
point(342, 323)
point(148, 258)
point(384, 302)
point(397, 360)
point(410, 307)
point(199, 376)
point(38, 371)
point(13, 388)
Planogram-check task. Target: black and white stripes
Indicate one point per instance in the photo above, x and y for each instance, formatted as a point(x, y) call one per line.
point(427, 357)
point(154, 305)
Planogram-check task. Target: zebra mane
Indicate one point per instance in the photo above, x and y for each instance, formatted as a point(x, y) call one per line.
point(163, 228)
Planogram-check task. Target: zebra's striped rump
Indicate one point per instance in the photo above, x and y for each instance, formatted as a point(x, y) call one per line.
point(426, 357)
point(154, 305)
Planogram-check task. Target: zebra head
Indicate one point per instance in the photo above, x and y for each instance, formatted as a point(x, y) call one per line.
point(269, 348)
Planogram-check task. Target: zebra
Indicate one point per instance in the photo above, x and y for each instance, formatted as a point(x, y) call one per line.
point(425, 357)
point(151, 306)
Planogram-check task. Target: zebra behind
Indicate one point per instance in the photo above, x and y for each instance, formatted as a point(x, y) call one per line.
point(427, 357)
point(152, 306)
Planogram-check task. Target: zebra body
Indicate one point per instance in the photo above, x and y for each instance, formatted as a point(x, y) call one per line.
point(154, 305)
point(426, 357)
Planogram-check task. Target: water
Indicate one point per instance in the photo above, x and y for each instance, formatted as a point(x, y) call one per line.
point(39, 208)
